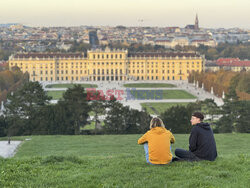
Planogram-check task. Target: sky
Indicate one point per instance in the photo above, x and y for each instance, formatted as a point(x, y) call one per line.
point(161, 13)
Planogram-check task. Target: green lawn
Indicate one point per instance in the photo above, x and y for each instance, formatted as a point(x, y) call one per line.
point(91, 126)
point(117, 161)
point(56, 95)
point(158, 108)
point(71, 85)
point(161, 94)
point(149, 85)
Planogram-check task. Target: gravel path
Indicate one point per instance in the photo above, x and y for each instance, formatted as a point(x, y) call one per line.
point(8, 150)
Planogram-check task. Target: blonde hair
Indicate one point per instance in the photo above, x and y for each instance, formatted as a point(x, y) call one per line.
point(156, 122)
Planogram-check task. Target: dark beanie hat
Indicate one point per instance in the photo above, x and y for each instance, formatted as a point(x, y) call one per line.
point(198, 115)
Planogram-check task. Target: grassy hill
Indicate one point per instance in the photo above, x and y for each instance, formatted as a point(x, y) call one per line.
point(117, 161)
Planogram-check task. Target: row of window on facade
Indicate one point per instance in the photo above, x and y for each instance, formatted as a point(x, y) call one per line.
point(107, 71)
point(98, 71)
point(53, 67)
point(57, 78)
point(51, 64)
point(128, 67)
point(156, 71)
point(98, 63)
point(156, 78)
point(107, 78)
point(107, 56)
point(107, 63)
point(99, 78)
point(62, 72)
point(163, 63)
point(156, 66)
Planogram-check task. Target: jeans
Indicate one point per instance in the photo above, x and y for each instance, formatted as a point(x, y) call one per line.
point(146, 152)
point(185, 155)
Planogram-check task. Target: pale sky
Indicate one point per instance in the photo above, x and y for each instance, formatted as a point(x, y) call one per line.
point(162, 13)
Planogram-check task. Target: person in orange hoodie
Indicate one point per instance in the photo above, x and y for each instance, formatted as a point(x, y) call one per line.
point(157, 142)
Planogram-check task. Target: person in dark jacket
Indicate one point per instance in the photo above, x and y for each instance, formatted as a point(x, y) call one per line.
point(202, 144)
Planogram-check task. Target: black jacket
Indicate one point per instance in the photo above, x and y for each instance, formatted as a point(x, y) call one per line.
point(202, 143)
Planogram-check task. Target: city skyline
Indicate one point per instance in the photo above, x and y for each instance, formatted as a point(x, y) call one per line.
point(161, 13)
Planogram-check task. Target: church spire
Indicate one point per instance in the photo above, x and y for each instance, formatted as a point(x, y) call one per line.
point(196, 25)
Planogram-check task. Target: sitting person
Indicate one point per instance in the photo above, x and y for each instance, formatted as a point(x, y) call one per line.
point(157, 142)
point(202, 144)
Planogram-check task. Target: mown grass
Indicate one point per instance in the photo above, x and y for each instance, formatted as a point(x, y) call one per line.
point(161, 94)
point(56, 95)
point(142, 94)
point(158, 108)
point(91, 126)
point(117, 161)
point(150, 85)
point(70, 85)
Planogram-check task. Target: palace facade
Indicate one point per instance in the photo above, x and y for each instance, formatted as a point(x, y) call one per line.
point(108, 65)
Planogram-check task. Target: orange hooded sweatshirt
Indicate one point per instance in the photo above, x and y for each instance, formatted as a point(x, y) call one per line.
point(159, 140)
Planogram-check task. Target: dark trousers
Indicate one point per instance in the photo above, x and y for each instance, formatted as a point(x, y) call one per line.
point(182, 154)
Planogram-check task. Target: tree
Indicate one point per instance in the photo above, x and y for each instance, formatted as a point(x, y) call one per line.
point(77, 108)
point(242, 123)
point(3, 126)
point(225, 125)
point(244, 82)
point(115, 122)
point(123, 120)
point(98, 106)
point(60, 121)
point(229, 110)
point(23, 108)
point(209, 107)
point(177, 118)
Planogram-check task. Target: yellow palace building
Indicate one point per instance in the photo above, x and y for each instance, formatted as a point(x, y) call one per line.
point(108, 65)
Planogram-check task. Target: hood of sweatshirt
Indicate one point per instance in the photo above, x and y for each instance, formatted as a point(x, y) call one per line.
point(203, 125)
point(159, 130)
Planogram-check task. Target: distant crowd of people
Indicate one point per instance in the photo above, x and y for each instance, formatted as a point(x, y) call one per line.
point(157, 142)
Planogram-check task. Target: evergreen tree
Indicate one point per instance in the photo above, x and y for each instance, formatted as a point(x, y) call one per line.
point(115, 122)
point(177, 118)
point(123, 120)
point(242, 122)
point(23, 108)
point(3, 126)
point(229, 110)
point(77, 108)
point(98, 106)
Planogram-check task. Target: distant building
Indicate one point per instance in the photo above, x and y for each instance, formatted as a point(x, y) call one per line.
point(191, 27)
point(195, 26)
point(227, 60)
point(93, 39)
point(205, 42)
point(171, 43)
point(63, 46)
point(108, 65)
point(167, 43)
point(231, 64)
point(180, 40)
point(211, 66)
